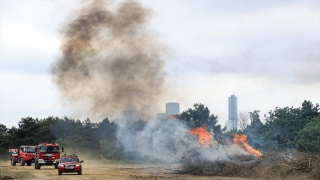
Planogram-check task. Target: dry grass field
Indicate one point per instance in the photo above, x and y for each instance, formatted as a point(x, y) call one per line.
point(98, 170)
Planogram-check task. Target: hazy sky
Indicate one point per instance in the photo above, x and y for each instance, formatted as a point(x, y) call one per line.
point(267, 52)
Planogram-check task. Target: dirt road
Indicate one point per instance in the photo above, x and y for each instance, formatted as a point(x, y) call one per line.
point(115, 171)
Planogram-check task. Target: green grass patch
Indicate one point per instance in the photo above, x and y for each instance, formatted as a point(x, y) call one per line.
point(7, 174)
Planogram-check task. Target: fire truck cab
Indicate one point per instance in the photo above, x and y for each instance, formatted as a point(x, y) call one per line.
point(23, 155)
point(47, 154)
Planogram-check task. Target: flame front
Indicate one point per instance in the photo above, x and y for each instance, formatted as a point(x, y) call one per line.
point(241, 140)
point(205, 138)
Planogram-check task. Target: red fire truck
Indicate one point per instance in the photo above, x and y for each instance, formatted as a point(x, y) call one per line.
point(47, 154)
point(23, 155)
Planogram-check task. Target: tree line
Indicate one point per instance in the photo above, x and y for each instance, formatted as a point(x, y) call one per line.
point(82, 136)
point(285, 128)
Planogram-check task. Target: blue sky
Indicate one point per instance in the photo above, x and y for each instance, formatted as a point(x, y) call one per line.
point(267, 52)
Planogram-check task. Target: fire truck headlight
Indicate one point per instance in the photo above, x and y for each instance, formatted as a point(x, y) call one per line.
point(61, 165)
point(77, 164)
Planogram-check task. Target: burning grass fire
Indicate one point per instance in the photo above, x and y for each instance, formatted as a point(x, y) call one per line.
point(249, 163)
point(205, 138)
point(241, 140)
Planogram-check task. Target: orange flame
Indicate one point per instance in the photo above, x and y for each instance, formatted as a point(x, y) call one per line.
point(241, 140)
point(205, 138)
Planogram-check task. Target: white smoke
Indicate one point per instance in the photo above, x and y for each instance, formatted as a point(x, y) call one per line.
point(170, 141)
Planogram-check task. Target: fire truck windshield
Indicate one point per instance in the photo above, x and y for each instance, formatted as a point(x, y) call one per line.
point(49, 149)
point(30, 149)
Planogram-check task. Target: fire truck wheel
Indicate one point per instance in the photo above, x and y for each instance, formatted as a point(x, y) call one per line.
point(28, 163)
point(22, 162)
point(59, 172)
point(56, 166)
point(13, 163)
point(80, 172)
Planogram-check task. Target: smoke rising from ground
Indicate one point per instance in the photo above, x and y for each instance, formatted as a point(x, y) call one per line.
point(109, 62)
point(170, 141)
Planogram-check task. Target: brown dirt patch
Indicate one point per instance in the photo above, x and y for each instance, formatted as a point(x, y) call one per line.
point(115, 171)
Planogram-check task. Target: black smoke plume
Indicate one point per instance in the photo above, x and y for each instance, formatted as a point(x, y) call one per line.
point(110, 62)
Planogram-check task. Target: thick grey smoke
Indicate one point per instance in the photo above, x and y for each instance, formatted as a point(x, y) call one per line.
point(109, 62)
point(170, 141)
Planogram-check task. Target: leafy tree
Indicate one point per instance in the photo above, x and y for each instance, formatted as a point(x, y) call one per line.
point(10, 139)
point(284, 124)
point(97, 139)
point(106, 130)
point(88, 139)
point(72, 133)
point(28, 131)
point(80, 136)
point(255, 129)
point(106, 133)
point(309, 137)
point(200, 116)
point(256, 124)
point(309, 110)
point(3, 129)
point(33, 131)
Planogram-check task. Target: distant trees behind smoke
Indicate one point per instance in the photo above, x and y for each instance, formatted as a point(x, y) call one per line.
point(285, 128)
point(200, 116)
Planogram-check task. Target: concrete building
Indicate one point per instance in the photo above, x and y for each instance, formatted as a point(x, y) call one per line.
point(232, 122)
point(172, 108)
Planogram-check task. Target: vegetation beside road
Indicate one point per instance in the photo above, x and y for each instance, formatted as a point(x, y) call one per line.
point(285, 128)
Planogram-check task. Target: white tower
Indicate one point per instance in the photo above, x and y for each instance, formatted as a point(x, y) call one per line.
point(233, 112)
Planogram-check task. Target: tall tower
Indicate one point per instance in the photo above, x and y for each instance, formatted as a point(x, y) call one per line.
point(172, 108)
point(233, 112)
